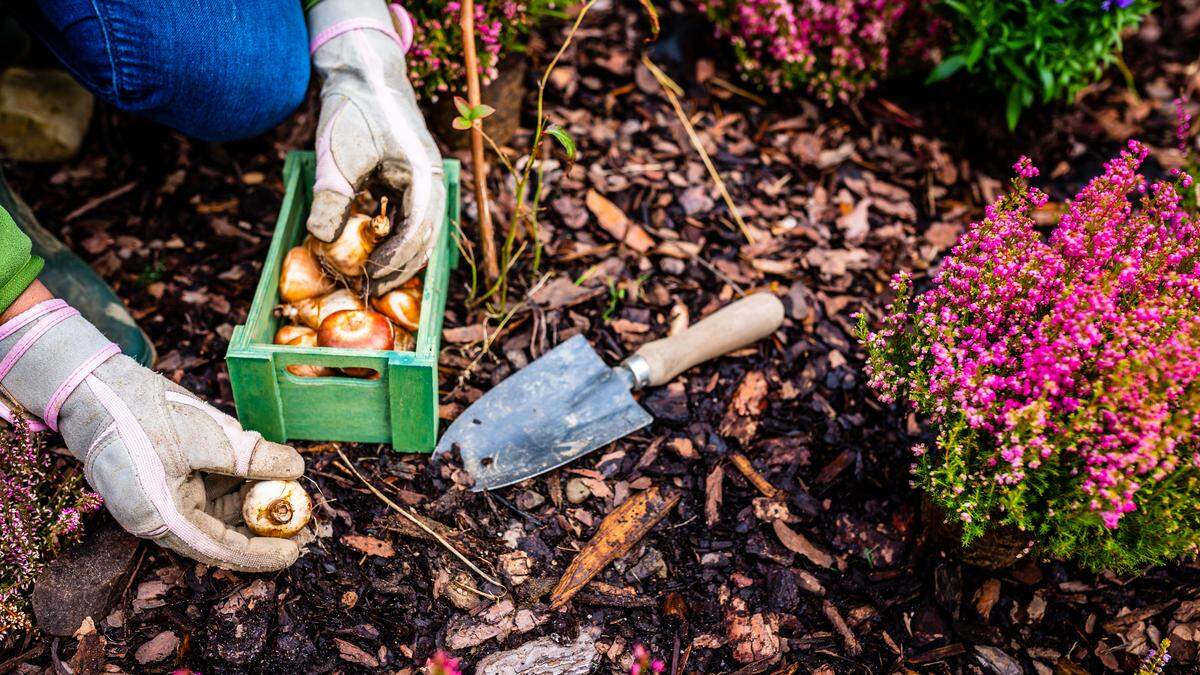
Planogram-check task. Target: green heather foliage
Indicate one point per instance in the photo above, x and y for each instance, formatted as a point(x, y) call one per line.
point(1061, 373)
point(1036, 50)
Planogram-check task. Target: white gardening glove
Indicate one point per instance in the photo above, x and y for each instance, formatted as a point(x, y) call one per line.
point(371, 129)
point(145, 442)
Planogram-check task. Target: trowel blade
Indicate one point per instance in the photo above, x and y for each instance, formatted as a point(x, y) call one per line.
point(560, 407)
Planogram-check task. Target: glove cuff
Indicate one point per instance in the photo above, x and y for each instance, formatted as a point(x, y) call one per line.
point(337, 17)
point(46, 352)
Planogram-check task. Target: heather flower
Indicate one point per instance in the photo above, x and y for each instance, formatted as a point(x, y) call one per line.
point(1156, 659)
point(836, 49)
point(1062, 373)
point(435, 65)
point(643, 664)
point(441, 663)
point(41, 510)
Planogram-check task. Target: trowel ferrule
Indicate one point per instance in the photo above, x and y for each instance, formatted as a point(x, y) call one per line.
point(639, 368)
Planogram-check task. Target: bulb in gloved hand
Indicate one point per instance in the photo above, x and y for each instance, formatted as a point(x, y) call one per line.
point(348, 253)
point(276, 508)
point(313, 311)
point(301, 276)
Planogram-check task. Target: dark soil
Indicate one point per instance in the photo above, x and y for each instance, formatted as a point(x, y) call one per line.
point(184, 247)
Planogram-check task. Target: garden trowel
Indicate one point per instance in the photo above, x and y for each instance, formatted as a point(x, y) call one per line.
point(568, 402)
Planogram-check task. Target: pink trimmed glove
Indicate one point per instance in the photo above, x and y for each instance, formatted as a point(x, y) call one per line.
point(370, 127)
point(144, 441)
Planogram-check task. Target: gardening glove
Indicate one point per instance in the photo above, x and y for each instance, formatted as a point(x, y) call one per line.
point(371, 129)
point(142, 439)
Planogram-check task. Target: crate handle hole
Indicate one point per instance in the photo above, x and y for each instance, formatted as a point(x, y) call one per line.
point(487, 461)
point(357, 374)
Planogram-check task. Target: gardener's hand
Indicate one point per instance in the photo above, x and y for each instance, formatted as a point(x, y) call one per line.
point(370, 129)
point(145, 442)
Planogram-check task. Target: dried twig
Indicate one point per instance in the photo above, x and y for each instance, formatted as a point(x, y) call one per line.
point(487, 239)
point(672, 91)
point(417, 521)
point(764, 486)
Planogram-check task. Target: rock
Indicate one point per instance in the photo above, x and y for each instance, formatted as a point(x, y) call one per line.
point(158, 648)
point(529, 500)
point(577, 491)
point(239, 627)
point(458, 593)
point(996, 661)
point(44, 115)
point(650, 564)
point(544, 656)
point(84, 581)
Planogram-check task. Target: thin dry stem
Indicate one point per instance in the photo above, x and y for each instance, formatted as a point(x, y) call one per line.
point(672, 91)
point(417, 521)
point(487, 238)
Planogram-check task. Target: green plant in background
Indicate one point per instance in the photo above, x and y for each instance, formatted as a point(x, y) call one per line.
point(1037, 50)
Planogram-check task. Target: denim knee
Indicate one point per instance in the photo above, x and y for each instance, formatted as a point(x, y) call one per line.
point(213, 69)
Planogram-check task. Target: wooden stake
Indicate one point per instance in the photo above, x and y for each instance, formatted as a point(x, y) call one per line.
point(487, 238)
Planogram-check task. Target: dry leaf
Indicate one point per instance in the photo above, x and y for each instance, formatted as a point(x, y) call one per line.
point(616, 223)
point(618, 533)
point(369, 545)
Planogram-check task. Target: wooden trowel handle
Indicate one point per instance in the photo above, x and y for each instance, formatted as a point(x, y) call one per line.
point(728, 329)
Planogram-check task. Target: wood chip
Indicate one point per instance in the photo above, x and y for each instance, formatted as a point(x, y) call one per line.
point(369, 545)
point(617, 224)
point(713, 494)
point(618, 533)
point(798, 543)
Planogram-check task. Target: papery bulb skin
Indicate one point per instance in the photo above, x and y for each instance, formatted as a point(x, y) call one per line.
point(313, 311)
point(276, 508)
point(348, 253)
point(402, 306)
point(306, 339)
point(287, 334)
point(357, 329)
point(301, 276)
point(404, 341)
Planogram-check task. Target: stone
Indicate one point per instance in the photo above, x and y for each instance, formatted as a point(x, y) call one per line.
point(544, 656)
point(577, 491)
point(44, 114)
point(516, 567)
point(84, 581)
point(158, 648)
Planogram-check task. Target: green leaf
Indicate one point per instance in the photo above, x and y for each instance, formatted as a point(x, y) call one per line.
point(461, 123)
point(462, 106)
point(976, 52)
point(564, 139)
point(1013, 110)
point(946, 69)
point(482, 111)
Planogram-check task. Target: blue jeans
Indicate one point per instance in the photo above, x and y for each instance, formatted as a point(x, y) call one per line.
point(213, 69)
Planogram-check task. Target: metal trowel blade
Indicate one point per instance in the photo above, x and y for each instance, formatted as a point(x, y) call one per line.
point(558, 408)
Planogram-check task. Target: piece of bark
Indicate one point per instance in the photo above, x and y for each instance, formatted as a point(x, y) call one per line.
point(851, 643)
point(798, 543)
point(617, 224)
point(544, 656)
point(44, 115)
point(713, 495)
point(618, 533)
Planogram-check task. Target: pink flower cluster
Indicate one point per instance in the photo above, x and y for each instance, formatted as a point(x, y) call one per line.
point(836, 48)
point(435, 64)
point(644, 663)
point(39, 512)
point(1077, 354)
point(441, 663)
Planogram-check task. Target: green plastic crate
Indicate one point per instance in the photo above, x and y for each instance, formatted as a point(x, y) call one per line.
point(401, 407)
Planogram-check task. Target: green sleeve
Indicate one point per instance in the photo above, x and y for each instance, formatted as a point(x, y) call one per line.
point(18, 266)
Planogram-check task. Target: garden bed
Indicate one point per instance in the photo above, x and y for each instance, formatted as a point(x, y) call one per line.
point(842, 199)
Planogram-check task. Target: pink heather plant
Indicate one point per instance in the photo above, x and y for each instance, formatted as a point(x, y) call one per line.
point(836, 48)
point(441, 663)
point(1062, 373)
point(435, 65)
point(643, 664)
point(40, 511)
